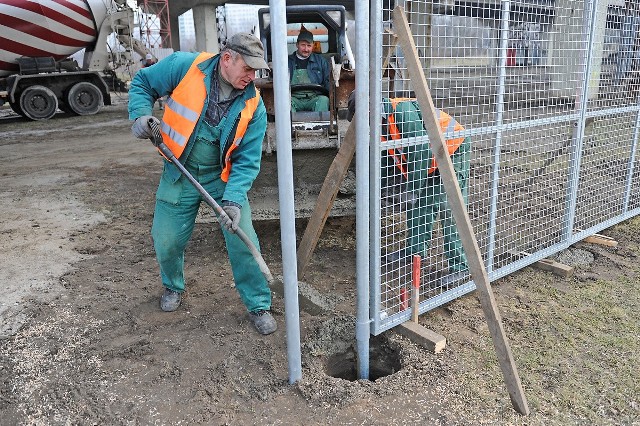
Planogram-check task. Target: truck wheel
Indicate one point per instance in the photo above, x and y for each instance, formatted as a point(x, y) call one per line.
point(15, 106)
point(38, 103)
point(65, 108)
point(84, 98)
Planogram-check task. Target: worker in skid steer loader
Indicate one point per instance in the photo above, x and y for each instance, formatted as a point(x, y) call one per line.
point(415, 170)
point(214, 123)
point(306, 67)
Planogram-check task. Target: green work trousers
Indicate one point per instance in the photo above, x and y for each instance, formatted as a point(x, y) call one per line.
point(306, 101)
point(173, 222)
point(315, 103)
point(431, 205)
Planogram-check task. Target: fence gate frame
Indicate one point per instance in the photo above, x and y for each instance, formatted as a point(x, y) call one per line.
point(582, 113)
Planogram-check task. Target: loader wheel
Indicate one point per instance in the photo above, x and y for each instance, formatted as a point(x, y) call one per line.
point(84, 98)
point(38, 103)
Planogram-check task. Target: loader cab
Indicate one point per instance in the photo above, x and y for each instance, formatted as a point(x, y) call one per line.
point(328, 25)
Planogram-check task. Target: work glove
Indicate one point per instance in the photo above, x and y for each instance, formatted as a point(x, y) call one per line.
point(231, 222)
point(141, 128)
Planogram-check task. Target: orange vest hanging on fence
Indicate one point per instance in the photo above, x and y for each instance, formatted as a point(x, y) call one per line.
point(447, 125)
point(183, 109)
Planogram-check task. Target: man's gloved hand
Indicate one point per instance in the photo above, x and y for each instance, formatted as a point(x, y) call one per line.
point(233, 212)
point(141, 128)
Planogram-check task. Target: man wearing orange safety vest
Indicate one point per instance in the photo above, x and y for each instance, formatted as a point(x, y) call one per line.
point(416, 170)
point(214, 122)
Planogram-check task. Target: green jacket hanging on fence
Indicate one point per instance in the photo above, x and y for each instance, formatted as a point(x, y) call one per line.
point(416, 165)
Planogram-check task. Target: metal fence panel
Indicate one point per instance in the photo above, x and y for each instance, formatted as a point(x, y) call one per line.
point(543, 101)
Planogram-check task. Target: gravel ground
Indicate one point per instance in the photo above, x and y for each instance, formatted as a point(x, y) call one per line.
point(83, 341)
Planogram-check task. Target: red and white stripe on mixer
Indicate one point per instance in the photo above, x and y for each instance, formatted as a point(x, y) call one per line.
point(39, 28)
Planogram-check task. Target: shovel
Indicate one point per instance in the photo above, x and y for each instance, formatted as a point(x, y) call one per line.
point(156, 139)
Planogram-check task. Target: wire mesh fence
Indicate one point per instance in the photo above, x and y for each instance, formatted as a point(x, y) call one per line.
point(538, 102)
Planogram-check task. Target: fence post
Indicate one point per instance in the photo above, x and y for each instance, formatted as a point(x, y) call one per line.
point(495, 172)
point(582, 99)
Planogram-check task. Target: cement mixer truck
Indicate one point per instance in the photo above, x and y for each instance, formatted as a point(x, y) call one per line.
point(38, 36)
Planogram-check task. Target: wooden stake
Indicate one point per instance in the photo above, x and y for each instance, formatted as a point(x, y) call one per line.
point(415, 288)
point(460, 214)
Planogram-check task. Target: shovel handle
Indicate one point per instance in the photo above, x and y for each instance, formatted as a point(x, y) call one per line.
point(156, 139)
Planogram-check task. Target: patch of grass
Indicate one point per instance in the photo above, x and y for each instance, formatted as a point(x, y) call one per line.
point(575, 345)
point(630, 226)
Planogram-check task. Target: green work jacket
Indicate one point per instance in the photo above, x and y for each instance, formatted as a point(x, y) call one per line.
point(161, 79)
point(408, 118)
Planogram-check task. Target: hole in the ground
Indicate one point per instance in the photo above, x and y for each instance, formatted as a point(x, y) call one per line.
point(384, 360)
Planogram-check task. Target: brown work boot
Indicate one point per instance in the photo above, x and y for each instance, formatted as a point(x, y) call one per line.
point(263, 321)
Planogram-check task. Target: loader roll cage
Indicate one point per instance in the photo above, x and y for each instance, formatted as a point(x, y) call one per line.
point(328, 24)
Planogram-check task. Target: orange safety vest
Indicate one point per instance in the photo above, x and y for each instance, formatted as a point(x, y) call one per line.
point(183, 109)
point(447, 124)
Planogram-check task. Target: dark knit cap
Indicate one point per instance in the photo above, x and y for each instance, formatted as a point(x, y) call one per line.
point(305, 36)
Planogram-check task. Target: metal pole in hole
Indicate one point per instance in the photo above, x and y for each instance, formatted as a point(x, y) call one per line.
point(277, 10)
point(363, 320)
point(581, 103)
point(495, 170)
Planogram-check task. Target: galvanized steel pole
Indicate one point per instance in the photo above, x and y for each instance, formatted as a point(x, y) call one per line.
point(363, 323)
point(277, 10)
point(375, 73)
point(495, 172)
point(581, 103)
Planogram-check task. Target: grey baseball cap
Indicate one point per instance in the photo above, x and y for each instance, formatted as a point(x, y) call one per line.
point(250, 48)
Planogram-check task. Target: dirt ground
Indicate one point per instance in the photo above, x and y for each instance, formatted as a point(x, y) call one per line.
point(83, 341)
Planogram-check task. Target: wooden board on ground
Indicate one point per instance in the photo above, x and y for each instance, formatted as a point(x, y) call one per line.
point(546, 264)
point(602, 240)
point(428, 339)
point(555, 267)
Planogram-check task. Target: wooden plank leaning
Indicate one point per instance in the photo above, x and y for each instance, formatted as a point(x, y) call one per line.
point(460, 214)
